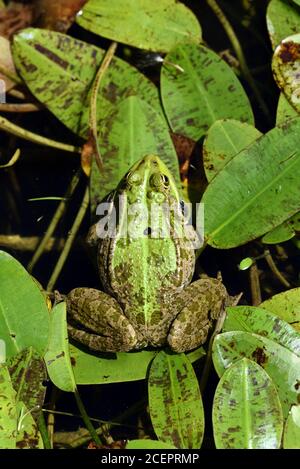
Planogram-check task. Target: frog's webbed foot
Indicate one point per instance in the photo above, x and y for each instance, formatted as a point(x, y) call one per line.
point(96, 320)
point(199, 303)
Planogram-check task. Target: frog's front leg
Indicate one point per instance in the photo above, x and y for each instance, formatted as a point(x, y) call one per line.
point(198, 304)
point(96, 320)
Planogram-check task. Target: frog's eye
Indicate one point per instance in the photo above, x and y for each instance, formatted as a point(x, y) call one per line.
point(133, 179)
point(159, 180)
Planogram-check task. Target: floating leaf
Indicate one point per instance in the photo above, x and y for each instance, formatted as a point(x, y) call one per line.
point(8, 411)
point(115, 368)
point(223, 141)
point(286, 305)
point(247, 412)
point(59, 70)
point(155, 26)
point(291, 436)
point(148, 444)
point(198, 88)
point(282, 366)
point(57, 357)
point(28, 435)
point(284, 232)
point(28, 373)
point(256, 191)
point(286, 69)
point(175, 401)
point(145, 133)
point(246, 263)
point(283, 19)
point(262, 322)
point(285, 110)
point(24, 317)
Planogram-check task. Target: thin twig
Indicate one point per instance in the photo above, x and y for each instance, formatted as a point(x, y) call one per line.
point(23, 107)
point(14, 129)
point(240, 54)
point(275, 270)
point(55, 220)
point(93, 103)
point(64, 254)
point(255, 285)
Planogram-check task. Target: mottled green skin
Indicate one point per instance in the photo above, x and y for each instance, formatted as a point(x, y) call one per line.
point(148, 299)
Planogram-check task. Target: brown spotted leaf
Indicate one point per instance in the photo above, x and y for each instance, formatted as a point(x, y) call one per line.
point(246, 412)
point(282, 365)
point(28, 375)
point(286, 305)
point(175, 401)
point(8, 411)
point(28, 436)
point(198, 88)
point(286, 69)
point(283, 19)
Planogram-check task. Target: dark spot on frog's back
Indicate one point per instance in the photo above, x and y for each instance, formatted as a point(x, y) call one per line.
point(289, 52)
point(260, 356)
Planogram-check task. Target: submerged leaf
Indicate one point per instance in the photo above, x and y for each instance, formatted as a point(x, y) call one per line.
point(246, 411)
point(155, 26)
point(198, 88)
point(175, 401)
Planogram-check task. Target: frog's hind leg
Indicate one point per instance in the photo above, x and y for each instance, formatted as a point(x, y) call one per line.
point(198, 304)
point(96, 320)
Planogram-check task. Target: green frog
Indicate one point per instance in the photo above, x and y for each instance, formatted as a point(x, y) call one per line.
point(146, 271)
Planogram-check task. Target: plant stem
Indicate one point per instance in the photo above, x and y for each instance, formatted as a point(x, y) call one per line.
point(43, 431)
point(255, 285)
point(65, 252)
point(93, 103)
point(23, 107)
point(240, 55)
point(11, 75)
point(14, 129)
point(275, 270)
point(54, 222)
point(86, 419)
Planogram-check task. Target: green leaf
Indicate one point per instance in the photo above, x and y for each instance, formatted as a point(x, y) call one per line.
point(246, 263)
point(223, 141)
point(284, 232)
point(175, 402)
point(283, 19)
point(262, 322)
point(282, 366)
point(28, 436)
point(148, 444)
point(291, 436)
point(57, 357)
point(8, 411)
point(262, 189)
point(155, 26)
point(246, 412)
point(286, 305)
point(285, 65)
point(28, 373)
point(144, 133)
point(115, 368)
point(24, 317)
point(198, 88)
point(59, 70)
point(285, 110)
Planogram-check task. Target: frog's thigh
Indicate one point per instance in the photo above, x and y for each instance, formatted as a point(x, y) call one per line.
point(96, 320)
point(198, 303)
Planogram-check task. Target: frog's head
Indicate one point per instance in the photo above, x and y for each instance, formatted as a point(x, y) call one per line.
point(149, 180)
